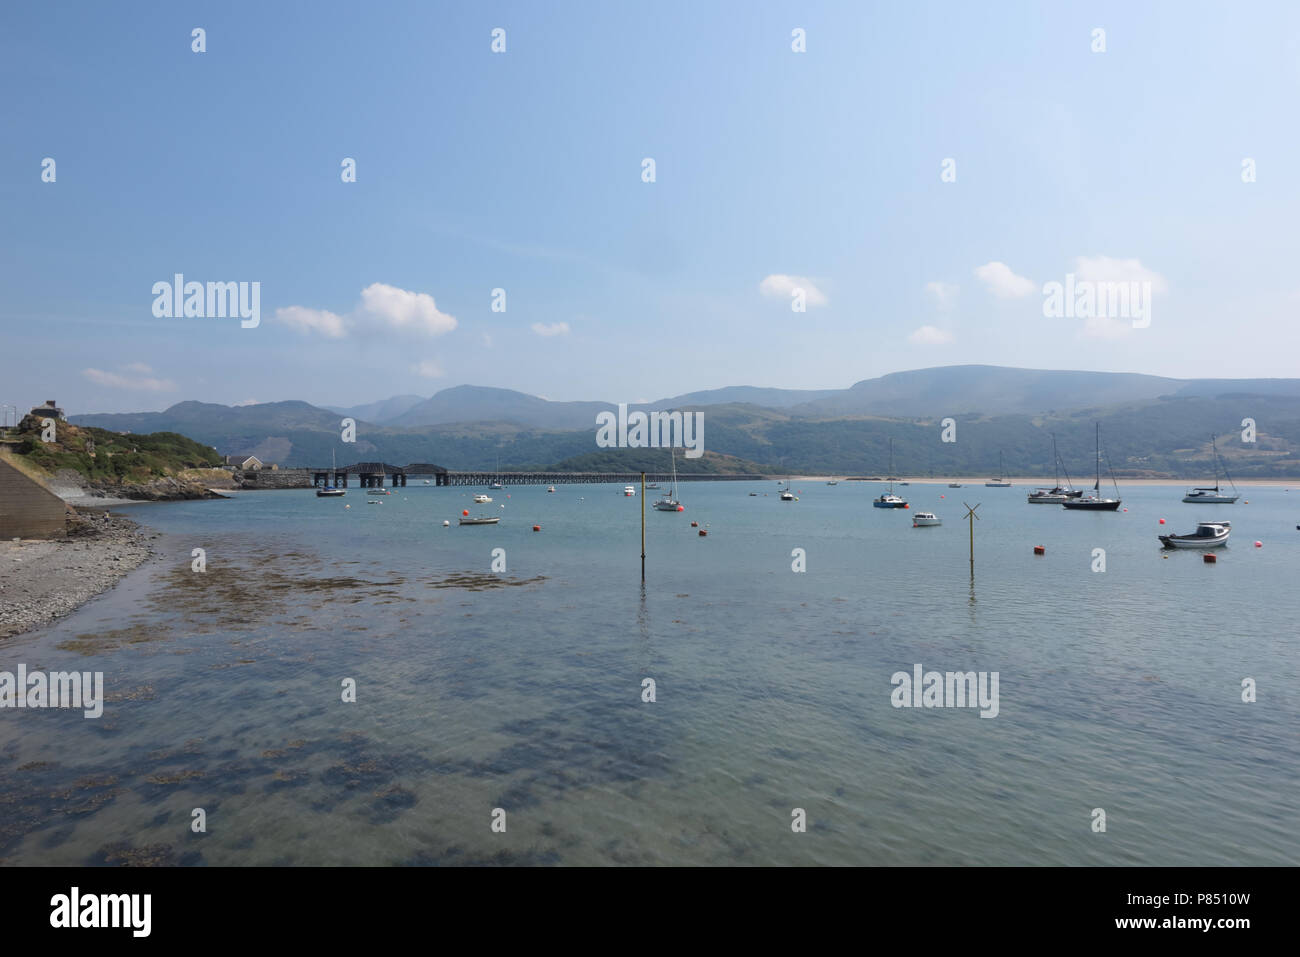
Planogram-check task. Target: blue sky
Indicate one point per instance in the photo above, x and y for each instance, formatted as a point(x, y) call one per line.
point(523, 171)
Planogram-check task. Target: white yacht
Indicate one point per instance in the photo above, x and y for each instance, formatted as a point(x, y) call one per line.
point(1213, 495)
point(925, 519)
point(889, 499)
point(669, 503)
point(1000, 481)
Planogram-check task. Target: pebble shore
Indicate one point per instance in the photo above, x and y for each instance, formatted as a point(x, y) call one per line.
point(41, 580)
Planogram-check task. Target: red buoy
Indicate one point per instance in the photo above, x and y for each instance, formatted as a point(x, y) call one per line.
point(681, 508)
point(1040, 550)
point(695, 524)
point(703, 532)
point(464, 511)
point(537, 528)
point(1259, 544)
point(1210, 558)
point(905, 505)
point(1162, 521)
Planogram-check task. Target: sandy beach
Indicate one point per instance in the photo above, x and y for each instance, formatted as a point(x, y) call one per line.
point(41, 580)
point(1041, 482)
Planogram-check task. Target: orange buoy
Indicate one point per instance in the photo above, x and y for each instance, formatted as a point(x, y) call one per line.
point(905, 505)
point(1040, 550)
point(1162, 521)
point(1210, 558)
point(681, 508)
point(537, 528)
point(703, 532)
point(464, 511)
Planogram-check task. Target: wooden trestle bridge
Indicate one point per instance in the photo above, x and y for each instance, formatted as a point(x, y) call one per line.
point(372, 475)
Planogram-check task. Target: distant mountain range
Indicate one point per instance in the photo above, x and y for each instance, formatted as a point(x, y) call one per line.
point(1151, 425)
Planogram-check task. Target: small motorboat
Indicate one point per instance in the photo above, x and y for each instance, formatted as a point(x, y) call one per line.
point(787, 495)
point(1207, 535)
point(925, 520)
point(482, 499)
point(480, 519)
point(378, 491)
point(496, 485)
point(832, 482)
point(550, 488)
point(954, 484)
point(427, 482)
point(329, 491)
point(755, 495)
point(629, 490)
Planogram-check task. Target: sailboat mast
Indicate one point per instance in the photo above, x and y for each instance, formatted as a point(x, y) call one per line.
point(1096, 487)
point(1214, 449)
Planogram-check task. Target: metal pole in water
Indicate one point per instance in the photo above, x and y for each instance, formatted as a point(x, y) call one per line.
point(970, 518)
point(643, 528)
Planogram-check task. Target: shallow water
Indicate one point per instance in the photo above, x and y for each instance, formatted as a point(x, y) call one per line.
point(521, 690)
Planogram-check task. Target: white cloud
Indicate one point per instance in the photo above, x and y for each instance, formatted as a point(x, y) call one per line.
point(781, 286)
point(1107, 269)
point(429, 369)
point(328, 324)
point(552, 329)
point(138, 380)
point(1003, 283)
point(248, 402)
point(944, 294)
point(382, 307)
point(930, 336)
point(404, 310)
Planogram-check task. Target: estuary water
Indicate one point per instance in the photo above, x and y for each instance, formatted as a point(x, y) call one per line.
point(522, 690)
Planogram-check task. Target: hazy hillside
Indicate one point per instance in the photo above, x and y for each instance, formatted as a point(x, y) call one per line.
point(1150, 426)
point(381, 412)
point(992, 390)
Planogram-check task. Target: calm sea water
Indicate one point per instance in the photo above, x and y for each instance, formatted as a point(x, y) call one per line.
point(522, 690)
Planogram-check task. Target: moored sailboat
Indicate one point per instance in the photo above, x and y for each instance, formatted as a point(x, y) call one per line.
point(1000, 481)
point(889, 499)
point(1095, 502)
point(669, 503)
point(1213, 496)
point(1058, 493)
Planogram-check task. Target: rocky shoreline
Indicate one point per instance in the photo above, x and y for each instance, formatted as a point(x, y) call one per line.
point(41, 580)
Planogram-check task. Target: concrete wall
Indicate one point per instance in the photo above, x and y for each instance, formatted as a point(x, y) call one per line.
point(28, 509)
